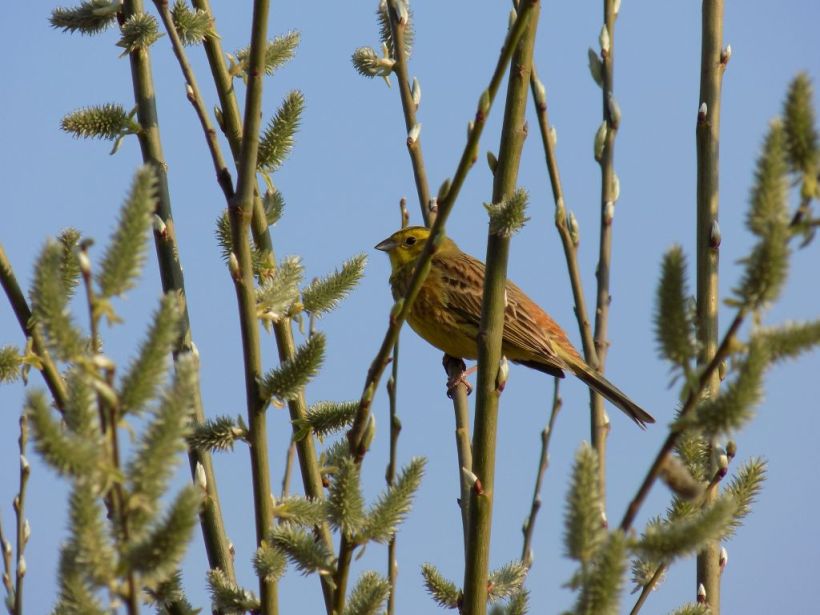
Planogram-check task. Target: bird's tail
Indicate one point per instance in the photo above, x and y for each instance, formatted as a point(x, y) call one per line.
point(603, 386)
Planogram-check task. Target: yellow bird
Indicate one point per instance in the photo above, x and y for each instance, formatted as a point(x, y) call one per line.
point(447, 313)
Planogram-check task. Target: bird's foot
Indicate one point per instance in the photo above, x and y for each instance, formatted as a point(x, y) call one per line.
point(460, 378)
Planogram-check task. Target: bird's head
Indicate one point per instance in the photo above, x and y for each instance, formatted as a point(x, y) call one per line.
point(404, 246)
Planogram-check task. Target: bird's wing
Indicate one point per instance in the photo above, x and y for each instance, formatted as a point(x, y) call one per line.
point(525, 339)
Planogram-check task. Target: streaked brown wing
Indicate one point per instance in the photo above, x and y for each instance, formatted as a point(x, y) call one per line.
point(524, 340)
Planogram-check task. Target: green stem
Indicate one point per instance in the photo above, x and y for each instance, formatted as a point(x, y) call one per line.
point(599, 422)
point(647, 589)
point(232, 128)
point(390, 474)
point(397, 28)
point(455, 372)
point(543, 464)
point(445, 205)
point(51, 375)
point(240, 209)
point(490, 332)
point(342, 574)
point(20, 512)
point(170, 268)
point(707, 140)
point(570, 247)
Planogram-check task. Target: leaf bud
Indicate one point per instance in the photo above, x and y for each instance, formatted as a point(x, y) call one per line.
point(702, 112)
point(603, 40)
point(701, 594)
point(714, 235)
point(600, 141)
point(415, 92)
point(233, 266)
point(201, 477)
point(492, 161)
point(724, 558)
point(413, 135)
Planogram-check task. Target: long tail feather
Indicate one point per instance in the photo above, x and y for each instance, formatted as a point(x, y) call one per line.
point(603, 386)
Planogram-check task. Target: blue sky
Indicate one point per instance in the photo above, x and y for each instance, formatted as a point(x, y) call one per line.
point(342, 185)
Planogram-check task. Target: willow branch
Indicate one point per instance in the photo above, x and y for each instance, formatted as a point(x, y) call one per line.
point(213, 529)
point(707, 140)
point(599, 422)
point(455, 372)
point(647, 589)
point(51, 375)
point(689, 406)
point(397, 29)
point(240, 211)
point(488, 387)
point(232, 128)
point(543, 464)
point(446, 201)
point(390, 474)
point(20, 513)
point(569, 244)
point(194, 96)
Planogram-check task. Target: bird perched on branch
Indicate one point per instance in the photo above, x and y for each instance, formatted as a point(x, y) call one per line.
point(447, 313)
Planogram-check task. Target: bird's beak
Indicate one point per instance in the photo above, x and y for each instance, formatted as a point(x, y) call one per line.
point(386, 245)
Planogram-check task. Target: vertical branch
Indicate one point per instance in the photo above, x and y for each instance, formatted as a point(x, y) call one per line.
point(708, 241)
point(599, 422)
point(20, 512)
point(390, 475)
point(568, 235)
point(213, 529)
point(543, 464)
point(232, 128)
point(240, 210)
point(397, 29)
point(490, 332)
point(458, 391)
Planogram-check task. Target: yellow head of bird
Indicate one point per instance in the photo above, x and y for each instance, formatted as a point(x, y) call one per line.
point(404, 246)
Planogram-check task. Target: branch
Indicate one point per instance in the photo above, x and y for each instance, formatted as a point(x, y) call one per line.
point(240, 211)
point(491, 328)
point(569, 243)
point(599, 422)
point(707, 139)
point(455, 369)
point(397, 28)
point(213, 529)
point(52, 376)
point(543, 464)
point(689, 406)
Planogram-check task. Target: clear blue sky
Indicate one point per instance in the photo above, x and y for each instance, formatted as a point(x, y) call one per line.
point(342, 185)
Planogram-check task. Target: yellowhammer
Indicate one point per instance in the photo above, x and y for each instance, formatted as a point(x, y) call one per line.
point(447, 313)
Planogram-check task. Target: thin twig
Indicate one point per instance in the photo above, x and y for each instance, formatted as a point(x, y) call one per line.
point(223, 175)
point(232, 128)
point(52, 376)
point(397, 29)
point(543, 464)
point(647, 589)
point(240, 211)
point(20, 512)
point(288, 469)
point(488, 389)
point(561, 223)
point(217, 544)
point(707, 141)
point(390, 472)
point(458, 391)
point(599, 422)
point(691, 403)
point(445, 205)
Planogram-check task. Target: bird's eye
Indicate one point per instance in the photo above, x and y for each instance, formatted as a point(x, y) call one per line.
point(410, 241)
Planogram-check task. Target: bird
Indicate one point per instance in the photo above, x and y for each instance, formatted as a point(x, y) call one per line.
point(447, 314)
